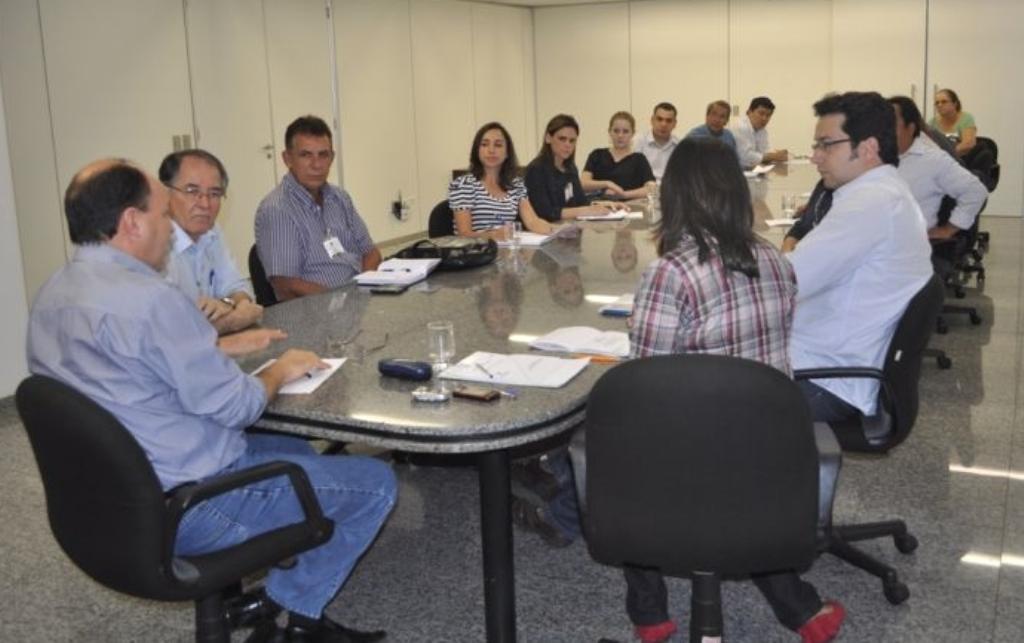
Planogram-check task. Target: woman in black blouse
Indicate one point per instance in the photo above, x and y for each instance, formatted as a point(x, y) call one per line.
point(617, 171)
point(552, 180)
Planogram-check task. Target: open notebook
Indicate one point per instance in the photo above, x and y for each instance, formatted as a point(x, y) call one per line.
point(583, 339)
point(398, 272)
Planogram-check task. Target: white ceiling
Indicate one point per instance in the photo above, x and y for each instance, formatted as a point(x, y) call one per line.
point(544, 3)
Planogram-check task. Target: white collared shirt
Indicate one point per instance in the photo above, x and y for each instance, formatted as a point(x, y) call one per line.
point(932, 174)
point(204, 267)
point(856, 271)
point(751, 144)
point(657, 153)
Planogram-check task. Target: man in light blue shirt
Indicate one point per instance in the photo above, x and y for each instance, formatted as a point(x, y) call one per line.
point(857, 269)
point(715, 120)
point(109, 325)
point(200, 264)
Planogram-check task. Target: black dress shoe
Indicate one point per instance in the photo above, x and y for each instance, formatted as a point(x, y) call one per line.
point(327, 631)
point(530, 517)
point(248, 610)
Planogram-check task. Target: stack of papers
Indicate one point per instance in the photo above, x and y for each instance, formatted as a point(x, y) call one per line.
point(615, 215)
point(621, 307)
point(515, 370)
point(528, 239)
point(782, 221)
point(583, 339)
point(398, 272)
point(311, 381)
point(760, 170)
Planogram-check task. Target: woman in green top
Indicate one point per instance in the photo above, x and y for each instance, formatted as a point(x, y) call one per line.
point(956, 124)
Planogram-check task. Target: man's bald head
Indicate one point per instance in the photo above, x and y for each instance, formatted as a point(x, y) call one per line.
point(97, 196)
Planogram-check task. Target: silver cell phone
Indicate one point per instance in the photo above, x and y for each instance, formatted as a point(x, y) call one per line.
point(429, 394)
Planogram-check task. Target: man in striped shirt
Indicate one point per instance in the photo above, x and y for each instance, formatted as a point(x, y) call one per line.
point(308, 234)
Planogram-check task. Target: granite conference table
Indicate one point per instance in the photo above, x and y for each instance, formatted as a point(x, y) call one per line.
point(498, 308)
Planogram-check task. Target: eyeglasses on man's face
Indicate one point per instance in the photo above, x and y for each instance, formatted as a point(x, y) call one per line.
point(194, 193)
point(823, 145)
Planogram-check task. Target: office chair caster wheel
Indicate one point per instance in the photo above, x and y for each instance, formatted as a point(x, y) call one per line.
point(975, 318)
point(943, 362)
point(959, 292)
point(941, 327)
point(905, 543)
point(896, 592)
point(980, 282)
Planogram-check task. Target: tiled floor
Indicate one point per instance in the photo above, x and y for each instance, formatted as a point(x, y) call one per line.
point(958, 481)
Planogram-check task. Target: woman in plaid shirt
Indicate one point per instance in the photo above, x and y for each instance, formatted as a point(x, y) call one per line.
point(717, 288)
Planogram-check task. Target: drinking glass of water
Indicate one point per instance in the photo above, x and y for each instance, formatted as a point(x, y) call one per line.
point(440, 344)
point(788, 205)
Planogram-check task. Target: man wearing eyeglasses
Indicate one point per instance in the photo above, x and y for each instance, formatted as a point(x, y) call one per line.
point(309, 235)
point(200, 263)
point(860, 266)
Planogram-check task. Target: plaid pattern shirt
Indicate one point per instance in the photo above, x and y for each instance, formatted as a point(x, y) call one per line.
point(683, 306)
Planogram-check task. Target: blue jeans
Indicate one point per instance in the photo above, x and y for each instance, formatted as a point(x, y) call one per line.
point(564, 508)
point(357, 493)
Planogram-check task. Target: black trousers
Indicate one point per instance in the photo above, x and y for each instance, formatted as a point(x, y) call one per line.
point(793, 600)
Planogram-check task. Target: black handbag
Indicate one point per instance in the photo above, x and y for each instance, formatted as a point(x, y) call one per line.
point(455, 253)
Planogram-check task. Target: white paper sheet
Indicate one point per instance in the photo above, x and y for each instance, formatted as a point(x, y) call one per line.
point(516, 370)
point(311, 381)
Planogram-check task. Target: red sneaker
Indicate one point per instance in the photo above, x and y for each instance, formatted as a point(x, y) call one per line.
point(655, 633)
point(824, 626)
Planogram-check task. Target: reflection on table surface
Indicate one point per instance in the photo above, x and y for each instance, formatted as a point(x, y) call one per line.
point(498, 308)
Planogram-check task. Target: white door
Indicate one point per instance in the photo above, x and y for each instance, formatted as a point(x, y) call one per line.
point(891, 62)
point(117, 78)
point(231, 97)
point(782, 50)
point(975, 49)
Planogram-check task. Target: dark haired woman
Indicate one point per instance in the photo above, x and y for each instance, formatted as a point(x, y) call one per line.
point(956, 124)
point(552, 179)
point(717, 288)
point(491, 194)
point(618, 171)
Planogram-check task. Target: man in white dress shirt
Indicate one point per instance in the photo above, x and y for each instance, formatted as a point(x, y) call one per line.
point(659, 143)
point(751, 134)
point(861, 265)
point(933, 174)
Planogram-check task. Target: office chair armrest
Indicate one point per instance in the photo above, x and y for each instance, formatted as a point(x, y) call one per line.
point(830, 461)
point(838, 372)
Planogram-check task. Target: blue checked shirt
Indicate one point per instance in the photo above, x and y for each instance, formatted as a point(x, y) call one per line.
point(204, 268)
point(291, 229)
point(112, 328)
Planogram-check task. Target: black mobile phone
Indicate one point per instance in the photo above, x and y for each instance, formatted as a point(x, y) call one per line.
point(390, 289)
point(479, 393)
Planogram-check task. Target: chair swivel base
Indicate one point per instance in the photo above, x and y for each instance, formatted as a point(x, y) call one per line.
point(839, 546)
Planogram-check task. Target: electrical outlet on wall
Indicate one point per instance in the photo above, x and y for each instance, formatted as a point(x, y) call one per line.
point(401, 208)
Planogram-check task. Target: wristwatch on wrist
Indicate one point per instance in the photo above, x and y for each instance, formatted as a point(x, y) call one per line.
point(229, 301)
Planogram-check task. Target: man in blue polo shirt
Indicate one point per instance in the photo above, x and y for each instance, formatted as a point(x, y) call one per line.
point(308, 234)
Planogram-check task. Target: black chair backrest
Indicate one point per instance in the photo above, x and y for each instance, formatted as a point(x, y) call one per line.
point(902, 367)
point(260, 284)
point(442, 221)
point(700, 463)
point(983, 160)
point(103, 499)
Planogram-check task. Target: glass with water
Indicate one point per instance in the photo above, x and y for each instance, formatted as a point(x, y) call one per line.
point(440, 344)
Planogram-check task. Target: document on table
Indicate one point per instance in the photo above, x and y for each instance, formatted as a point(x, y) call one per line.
point(311, 381)
point(760, 170)
point(782, 221)
point(516, 370)
point(528, 240)
point(398, 272)
point(615, 215)
point(583, 339)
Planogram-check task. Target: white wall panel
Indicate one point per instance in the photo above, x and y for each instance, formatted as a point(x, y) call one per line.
point(582, 69)
point(680, 54)
point(378, 135)
point(231, 96)
point(14, 322)
point(118, 80)
point(782, 49)
point(893, 62)
point(976, 51)
point(443, 85)
point(37, 191)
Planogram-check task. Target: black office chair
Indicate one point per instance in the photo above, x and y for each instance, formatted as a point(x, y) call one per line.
point(702, 466)
point(265, 295)
point(890, 426)
point(111, 517)
point(442, 221)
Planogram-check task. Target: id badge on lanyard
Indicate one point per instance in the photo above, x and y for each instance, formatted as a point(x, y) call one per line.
point(333, 246)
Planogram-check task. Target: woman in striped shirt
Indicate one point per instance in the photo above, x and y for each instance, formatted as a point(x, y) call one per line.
point(491, 194)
